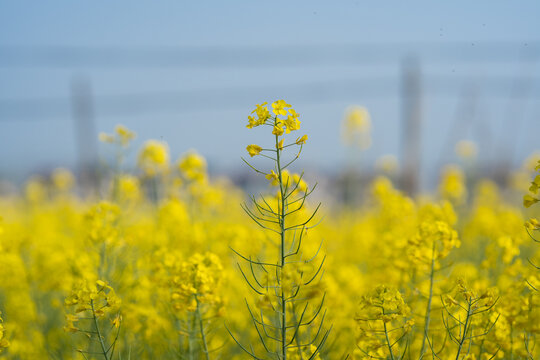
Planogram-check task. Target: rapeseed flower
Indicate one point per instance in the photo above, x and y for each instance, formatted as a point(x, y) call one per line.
point(153, 158)
point(301, 140)
point(273, 178)
point(193, 166)
point(4, 343)
point(279, 107)
point(254, 150)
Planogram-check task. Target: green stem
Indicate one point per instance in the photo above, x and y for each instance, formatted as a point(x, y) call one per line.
point(116, 174)
point(100, 338)
point(180, 336)
point(388, 340)
point(297, 338)
point(102, 255)
point(282, 255)
point(428, 308)
point(191, 336)
point(465, 330)
point(511, 341)
point(203, 336)
point(481, 348)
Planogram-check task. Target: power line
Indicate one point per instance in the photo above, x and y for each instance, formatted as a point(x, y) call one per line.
point(231, 97)
point(262, 56)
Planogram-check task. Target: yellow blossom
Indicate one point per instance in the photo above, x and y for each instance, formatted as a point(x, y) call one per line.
point(63, 179)
point(452, 186)
point(106, 138)
point(357, 127)
point(528, 200)
point(122, 136)
point(292, 123)
point(128, 188)
point(117, 320)
point(302, 185)
point(532, 224)
point(301, 140)
point(193, 166)
point(253, 150)
point(125, 135)
point(279, 107)
point(70, 323)
point(262, 115)
point(535, 185)
point(4, 343)
point(278, 130)
point(153, 158)
point(273, 178)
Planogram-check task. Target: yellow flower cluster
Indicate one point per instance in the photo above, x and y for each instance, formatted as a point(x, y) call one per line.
point(532, 224)
point(254, 150)
point(383, 303)
point(122, 136)
point(452, 186)
point(284, 121)
point(356, 127)
point(287, 124)
point(531, 198)
point(4, 343)
point(294, 181)
point(63, 179)
point(282, 281)
point(308, 352)
point(144, 235)
point(196, 281)
point(433, 241)
point(153, 159)
point(90, 300)
point(382, 320)
point(193, 167)
point(102, 222)
point(129, 188)
point(261, 110)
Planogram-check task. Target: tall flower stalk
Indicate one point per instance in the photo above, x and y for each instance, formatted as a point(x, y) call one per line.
point(286, 325)
point(93, 303)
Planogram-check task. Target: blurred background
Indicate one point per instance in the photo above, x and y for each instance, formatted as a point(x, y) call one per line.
point(442, 82)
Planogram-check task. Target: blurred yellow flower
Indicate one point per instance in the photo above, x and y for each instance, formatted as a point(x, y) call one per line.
point(106, 138)
point(357, 127)
point(528, 200)
point(387, 164)
point(532, 224)
point(193, 166)
point(63, 179)
point(124, 134)
point(153, 158)
point(466, 149)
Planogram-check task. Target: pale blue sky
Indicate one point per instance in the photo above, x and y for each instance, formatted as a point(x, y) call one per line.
point(190, 72)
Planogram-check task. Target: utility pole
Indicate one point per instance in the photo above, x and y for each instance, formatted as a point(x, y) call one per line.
point(85, 133)
point(411, 126)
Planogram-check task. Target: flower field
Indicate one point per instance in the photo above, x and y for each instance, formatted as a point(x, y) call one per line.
point(169, 263)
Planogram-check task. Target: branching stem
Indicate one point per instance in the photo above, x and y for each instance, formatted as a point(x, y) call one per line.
point(428, 308)
point(281, 212)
